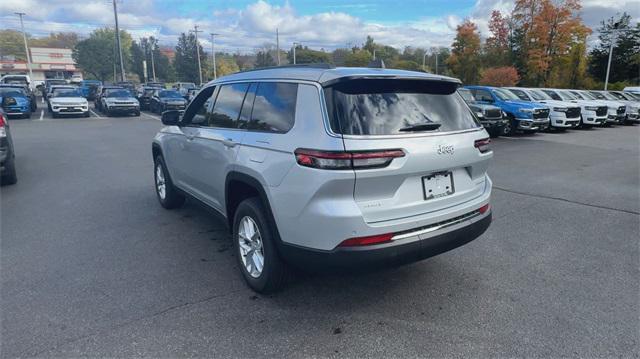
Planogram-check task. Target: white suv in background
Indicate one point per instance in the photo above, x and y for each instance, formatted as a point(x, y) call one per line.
point(329, 168)
point(593, 113)
point(562, 114)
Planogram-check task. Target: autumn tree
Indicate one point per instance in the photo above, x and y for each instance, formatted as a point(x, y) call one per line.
point(465, 53)
point(549, 31)
point(500, 76)
point(497, 45)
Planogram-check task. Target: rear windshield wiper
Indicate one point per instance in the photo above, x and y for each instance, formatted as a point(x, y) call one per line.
point(421, 127)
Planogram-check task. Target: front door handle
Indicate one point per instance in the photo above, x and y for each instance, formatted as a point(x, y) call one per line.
point(229, 142)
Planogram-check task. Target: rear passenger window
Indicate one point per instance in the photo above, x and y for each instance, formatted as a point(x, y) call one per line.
point(274, 107)
point(227, 107)
point(247, 106)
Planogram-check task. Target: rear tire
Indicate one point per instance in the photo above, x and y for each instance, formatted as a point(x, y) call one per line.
point(168, 195)
point(9, 176)
point(261, 246)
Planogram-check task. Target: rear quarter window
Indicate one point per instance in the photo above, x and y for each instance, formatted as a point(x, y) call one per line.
point(371, 107)
point(274, 107)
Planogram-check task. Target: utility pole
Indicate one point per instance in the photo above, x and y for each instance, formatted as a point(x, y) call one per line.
point(153, 66)
point(294, 52)
point(424, 59)
point(613, 40)
point(213, 54)
point(438, 50)
point(196, 31)
point(26, 46)
point(115, 14)
point(278, 45)
point(374, 54)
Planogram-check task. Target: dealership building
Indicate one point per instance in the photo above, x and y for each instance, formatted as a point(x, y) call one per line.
point(46, 63)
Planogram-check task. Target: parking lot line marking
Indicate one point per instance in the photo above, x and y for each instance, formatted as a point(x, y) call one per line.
point(41, 114)
point(152, 116)
point(95, 114)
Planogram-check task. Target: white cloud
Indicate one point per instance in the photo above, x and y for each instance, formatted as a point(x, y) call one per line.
point(249, 28)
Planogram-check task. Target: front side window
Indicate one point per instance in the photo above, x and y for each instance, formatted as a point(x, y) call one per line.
point(274, 107)
point(482, 95)
point(226, 109)
point(196, 112)
point(521, 94)
point(505, 95)
point(553, 95)
point(395, 107)
point(539, 95)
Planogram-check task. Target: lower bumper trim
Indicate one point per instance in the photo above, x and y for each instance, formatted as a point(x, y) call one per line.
point(372, 257)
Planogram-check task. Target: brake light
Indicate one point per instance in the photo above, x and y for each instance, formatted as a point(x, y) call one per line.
point(338, 160)
point(483, 145)
point(484, 209)
point(2, 120)
point(366, 241)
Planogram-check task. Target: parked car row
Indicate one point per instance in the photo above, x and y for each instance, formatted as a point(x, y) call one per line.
point(507, 110)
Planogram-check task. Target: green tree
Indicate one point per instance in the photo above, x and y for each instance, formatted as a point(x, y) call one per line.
point(358, 58)
point(12, 44)
point(264, 59)
point(305, 55)
point(97, 54)
point(624, 66)
point(186, 62)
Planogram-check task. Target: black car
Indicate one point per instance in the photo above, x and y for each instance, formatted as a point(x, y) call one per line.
point(491, 117)
point(144, 95)
point(50, 82)
point(32, 95)
point(164, 100)
point(101, 92)
point(7, 155)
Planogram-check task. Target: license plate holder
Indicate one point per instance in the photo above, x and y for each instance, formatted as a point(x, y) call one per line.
point(438, 185)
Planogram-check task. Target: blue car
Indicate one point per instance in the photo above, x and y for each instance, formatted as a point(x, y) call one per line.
point(523, 116)
point(15, 102)
point(89, 88)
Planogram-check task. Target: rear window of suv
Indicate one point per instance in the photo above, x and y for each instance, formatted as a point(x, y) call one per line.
point(385, 106)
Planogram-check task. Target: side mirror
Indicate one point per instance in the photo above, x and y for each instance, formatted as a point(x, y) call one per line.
point(171, 118)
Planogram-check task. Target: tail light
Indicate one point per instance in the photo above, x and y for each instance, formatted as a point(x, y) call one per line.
point(3, 123)
point(483, 145)
point(484, 209)
point(366, 241)
point(338, 160)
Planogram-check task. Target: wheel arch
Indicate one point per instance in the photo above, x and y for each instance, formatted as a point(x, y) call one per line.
point(240, 186)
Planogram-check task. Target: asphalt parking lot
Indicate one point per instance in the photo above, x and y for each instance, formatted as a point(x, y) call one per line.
point(92, 265)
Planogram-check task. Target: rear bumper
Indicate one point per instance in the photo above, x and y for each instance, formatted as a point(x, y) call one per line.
point(387, 254)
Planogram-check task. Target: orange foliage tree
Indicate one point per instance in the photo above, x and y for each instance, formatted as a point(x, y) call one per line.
point(465, 53)
point(500, 76)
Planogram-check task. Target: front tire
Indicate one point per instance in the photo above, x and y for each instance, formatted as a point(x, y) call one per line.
point(509, 128)
point(255, 248)
point(168, 195)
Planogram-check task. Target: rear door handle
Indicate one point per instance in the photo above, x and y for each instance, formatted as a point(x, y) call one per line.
point(229, 142)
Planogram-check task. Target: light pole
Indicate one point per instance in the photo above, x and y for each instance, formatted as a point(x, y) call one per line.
point(26, 46)
point(115, 14)
point(196, 31)
point(294, 52)
point(437, 61)
point(153, 66)
point(613, 40)
point(424, 59)
point(278, 45)
point(213, 54)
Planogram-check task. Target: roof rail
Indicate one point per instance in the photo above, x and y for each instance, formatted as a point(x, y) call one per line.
point(320, 65)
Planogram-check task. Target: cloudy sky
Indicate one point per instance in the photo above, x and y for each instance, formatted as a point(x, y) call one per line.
point(245, 25)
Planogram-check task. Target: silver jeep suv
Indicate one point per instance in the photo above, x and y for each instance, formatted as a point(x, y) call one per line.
point(329, 168)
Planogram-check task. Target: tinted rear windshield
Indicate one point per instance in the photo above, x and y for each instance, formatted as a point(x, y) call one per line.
point(384, 107)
